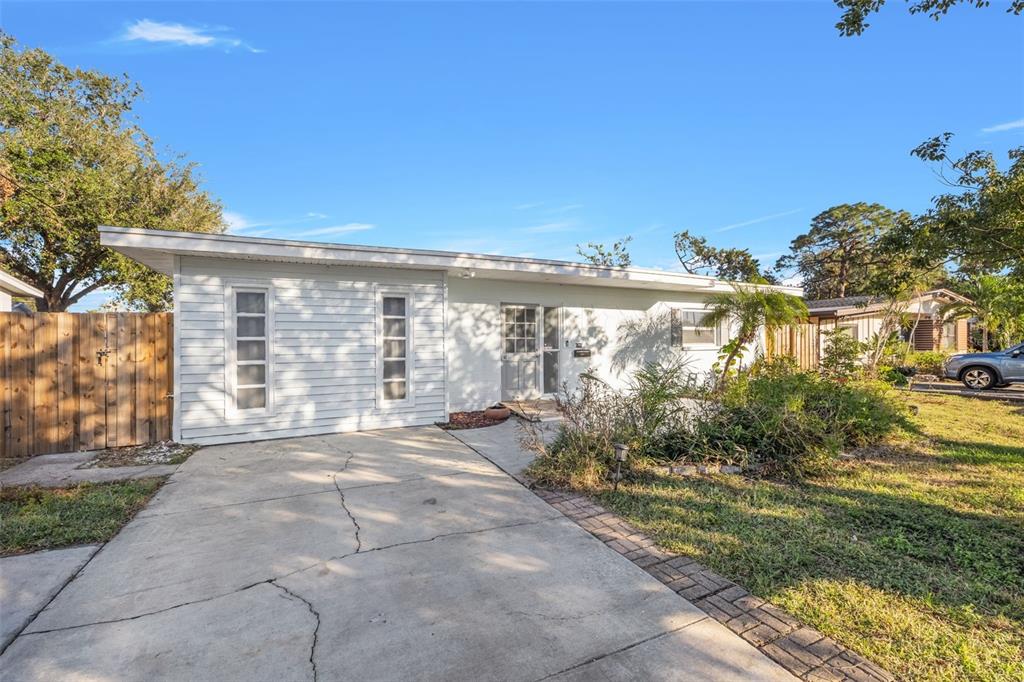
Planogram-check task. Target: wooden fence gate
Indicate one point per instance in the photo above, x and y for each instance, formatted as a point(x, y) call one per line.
point(798, 341)
point(71, 381)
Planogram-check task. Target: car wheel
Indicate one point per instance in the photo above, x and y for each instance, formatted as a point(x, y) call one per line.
point(979, 378)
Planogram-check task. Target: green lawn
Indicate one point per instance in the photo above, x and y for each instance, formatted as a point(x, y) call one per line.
point(912, 556)
point(33, 518)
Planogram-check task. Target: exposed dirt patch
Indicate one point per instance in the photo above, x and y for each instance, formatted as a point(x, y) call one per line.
point(164, 452)
point(468, 420)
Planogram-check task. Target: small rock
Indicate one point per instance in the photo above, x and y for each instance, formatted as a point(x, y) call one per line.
point(683, 470)
point(707, 468)
point(730, 469)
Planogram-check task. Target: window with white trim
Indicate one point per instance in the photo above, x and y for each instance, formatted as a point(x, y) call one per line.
point(849, 328)
point(688, 329)
point(250, 349)
point(395, 350)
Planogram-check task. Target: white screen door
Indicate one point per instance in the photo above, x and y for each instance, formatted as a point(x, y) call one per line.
point(520, 357)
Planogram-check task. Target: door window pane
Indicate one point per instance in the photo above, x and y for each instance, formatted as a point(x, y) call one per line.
point(551, 327)
point(551, 371)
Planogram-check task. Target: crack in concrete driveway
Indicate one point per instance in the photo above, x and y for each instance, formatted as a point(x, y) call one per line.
point(440, 567)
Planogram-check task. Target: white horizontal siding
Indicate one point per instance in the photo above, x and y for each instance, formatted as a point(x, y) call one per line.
point(324, 376)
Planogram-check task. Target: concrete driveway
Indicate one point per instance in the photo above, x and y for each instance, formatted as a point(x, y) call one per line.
point(387, 555)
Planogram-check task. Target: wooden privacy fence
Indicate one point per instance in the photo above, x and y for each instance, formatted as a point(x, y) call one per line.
point(798, 341)
point(72, 381)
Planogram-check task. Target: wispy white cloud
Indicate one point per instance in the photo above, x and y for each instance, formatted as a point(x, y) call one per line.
point(166, 33)
point(335, 229)
point(1003, 127)
point(238, 222)
point(755, 221)
point(545, 228)
point(527, 207)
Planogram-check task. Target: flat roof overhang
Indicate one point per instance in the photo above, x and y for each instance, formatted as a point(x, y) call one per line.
point(157, 249)
point(15, 287)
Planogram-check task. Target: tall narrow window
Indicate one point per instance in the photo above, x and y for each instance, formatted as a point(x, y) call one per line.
point(395, 352)
point(250, 350)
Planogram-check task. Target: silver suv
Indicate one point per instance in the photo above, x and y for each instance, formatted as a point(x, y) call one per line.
point(982, 371)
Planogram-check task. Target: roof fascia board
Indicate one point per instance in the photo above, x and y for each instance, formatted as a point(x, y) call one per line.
point(216, 245)
point(16, 287)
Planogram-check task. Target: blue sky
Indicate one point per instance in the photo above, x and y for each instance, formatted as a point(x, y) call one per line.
point(526, 128)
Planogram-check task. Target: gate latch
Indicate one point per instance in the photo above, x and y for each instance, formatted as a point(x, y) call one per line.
point(100, 354)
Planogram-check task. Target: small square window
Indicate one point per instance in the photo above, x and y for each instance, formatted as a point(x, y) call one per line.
point(251, 302)
point(394, 306)
point(252, 374)
point(252, 350)
point(394, 369)
point(394, 327)
point(252, 398)
point(394, 390)
point(252, 326)
point(394, 349)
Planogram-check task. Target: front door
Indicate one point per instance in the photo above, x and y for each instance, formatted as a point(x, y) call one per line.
point(520, 357)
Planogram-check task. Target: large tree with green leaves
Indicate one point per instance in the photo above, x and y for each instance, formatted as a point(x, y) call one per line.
point(977, 227)
point(698, 257)
point(837, 256)
point(856, 12)
point(72, 157)
point(996, 302)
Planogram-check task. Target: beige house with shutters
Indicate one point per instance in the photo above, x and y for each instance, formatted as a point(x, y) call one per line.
point(862, 317)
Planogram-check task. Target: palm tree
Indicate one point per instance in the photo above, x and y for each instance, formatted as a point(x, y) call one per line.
point(750, 308)
point(990, 297)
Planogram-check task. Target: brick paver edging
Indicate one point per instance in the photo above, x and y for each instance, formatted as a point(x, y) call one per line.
point(800, 649)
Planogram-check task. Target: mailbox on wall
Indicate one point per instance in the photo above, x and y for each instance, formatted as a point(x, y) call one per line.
point(581, 352)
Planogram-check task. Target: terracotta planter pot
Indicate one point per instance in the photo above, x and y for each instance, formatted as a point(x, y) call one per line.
point(497, 413)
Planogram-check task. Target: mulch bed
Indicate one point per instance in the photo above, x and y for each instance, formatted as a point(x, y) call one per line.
point(164, 452)
point(468, 420)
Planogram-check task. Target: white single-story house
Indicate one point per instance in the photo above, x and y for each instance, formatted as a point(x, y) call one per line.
point(862, 317)
point(277, 338)
point(11, 287)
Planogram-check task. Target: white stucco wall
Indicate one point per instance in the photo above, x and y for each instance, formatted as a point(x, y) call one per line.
point(5, 302)
point(625, 328)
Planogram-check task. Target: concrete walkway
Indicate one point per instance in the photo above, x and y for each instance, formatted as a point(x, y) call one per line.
point(56, 471)
point(387, 555)
point(29, 581)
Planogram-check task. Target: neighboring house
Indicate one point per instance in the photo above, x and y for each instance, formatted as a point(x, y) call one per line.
point(282, 338)
point(10, 287)
point(862, 316)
